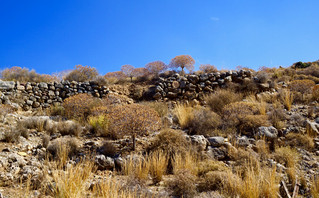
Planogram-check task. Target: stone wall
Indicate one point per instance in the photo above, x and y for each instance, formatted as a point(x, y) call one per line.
point(35, 95)
point(195, 86)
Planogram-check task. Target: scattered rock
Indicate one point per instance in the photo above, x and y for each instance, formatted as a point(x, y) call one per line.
point(104, 163)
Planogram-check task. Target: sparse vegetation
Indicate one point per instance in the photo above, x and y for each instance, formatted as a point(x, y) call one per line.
point(122, 144)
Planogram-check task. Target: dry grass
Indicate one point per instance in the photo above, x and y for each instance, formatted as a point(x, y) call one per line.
point(36, 122)
point(216, 101)
point(264, 183)
point(277, 116)
point(204, 122)
point(314, 187)
point(244, 115)
point(300, 140)
point(287, 98)
point(160, 107)
point(184, 114)
point(260, 104)
point(187, 161)
point(210, 165)
point(70, 128)
point(63, 149)
point(111, 187)
point(71, 182)
point(158, 162)
point(170, 141)
point(137, 167)
point(108, 149)
point(183, 184)
point(289, 157)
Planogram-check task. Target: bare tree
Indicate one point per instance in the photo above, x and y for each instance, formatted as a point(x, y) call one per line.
point(156, 67)
point(183, 61)
point(128, 70)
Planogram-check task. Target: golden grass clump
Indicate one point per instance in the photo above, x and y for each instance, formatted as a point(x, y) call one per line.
point(315, 92)
point(71, 182)
point(289, 157)
point(187, 161)
point(160, 107)
point(184, 114)
point(287, 98)
point(110, 187)
point(158, 162)
point(302, 86)
point(314, 187)
point(183, 184)
point(137, 167)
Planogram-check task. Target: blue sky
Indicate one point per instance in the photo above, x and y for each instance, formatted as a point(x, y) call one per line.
point(51, 36)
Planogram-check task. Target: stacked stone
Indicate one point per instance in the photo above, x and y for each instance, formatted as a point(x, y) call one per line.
point(42, 94)
point(195, 86)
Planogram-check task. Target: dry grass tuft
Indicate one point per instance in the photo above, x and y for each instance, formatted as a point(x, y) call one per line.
point(108, 149)
point(158, 162)
point(204, 122)
point(314, 187)
point(63, 149)
point(287, 98)
point(170, 141)
point(184, 114)
point(187, 161)
point(300, 140)
point(71, 182)
point(136, 167)
point(216, 101)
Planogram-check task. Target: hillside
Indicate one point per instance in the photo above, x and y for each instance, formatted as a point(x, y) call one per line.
point(209, 133)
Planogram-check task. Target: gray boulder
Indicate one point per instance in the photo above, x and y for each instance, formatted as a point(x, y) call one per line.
point(268, 132)
point(200, 141)
point(216, 141)
point(7, 85)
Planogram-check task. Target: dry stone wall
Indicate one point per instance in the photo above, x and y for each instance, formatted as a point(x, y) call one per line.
point(195, 86)
point(35, 95)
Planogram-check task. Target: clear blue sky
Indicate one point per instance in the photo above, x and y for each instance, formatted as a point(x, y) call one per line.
point(51, 36)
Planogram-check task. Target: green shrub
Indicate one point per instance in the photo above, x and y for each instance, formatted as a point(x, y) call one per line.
point(100, 125)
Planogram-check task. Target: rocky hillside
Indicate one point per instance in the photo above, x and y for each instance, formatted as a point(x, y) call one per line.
point(239, 134)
